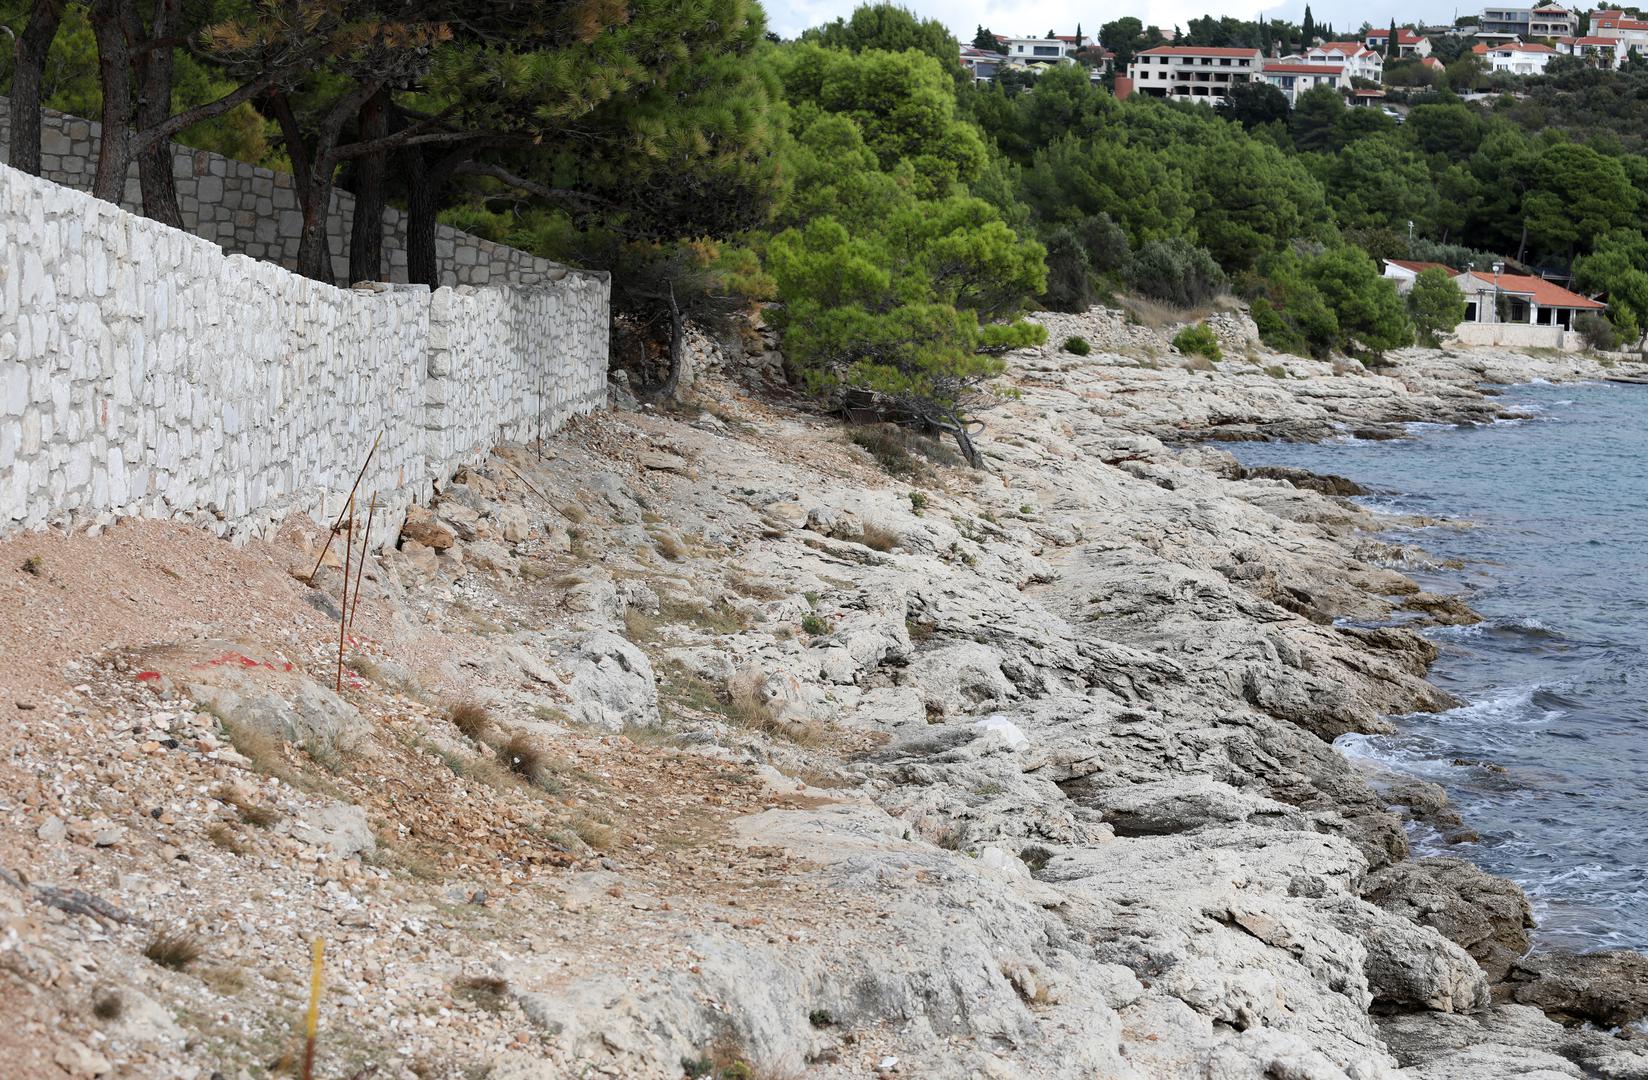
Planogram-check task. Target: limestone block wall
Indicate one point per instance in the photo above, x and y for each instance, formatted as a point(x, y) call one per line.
point(1518, 336)
point(145, 372)
point(251, 211)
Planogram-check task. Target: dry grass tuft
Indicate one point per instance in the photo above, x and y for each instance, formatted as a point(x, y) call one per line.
point(251, 813)
point(330, 752)
point(748, 706)
point(108, 1005)
point(33, 566)
point(173, 949)
point(263, 750)
point(472, 719)
point(597, 834)
point(225, 980)
point(1159, 316)
point(223, 835)
point(573, 513)
point(527, 758)
point(879, 538)
point(486, 992)
point(670, 545)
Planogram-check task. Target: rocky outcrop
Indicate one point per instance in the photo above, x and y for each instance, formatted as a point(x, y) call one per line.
point(699, 737)
point(1608, 988)
point(1486, 915)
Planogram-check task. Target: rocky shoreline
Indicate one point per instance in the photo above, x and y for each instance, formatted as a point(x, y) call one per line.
point(849, 762)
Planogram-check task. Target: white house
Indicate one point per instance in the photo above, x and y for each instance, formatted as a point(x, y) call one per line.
point(1520, 311)
point(1193, 73)
point(1630, 32)
point(1405, 271)
point(1408, 43)
point(1039, 50)
point(1359, 61)
point(1599, 52)
point(1515, 57)
point(1294, 77)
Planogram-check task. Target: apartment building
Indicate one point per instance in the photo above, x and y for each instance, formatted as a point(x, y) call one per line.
point(1629, 31)
point(1550, 21)
point(1598, 52)
point(1193, 73)
point(1359, 61)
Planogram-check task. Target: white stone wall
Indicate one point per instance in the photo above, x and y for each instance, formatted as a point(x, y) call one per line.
point(1518, 336)
point(145, 372)
point(251, 211)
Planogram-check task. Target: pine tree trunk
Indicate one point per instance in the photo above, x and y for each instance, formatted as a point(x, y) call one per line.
point(366, 232)
point(154, 106)
point(421, 268)
point(114, 63)
point(315, 241)
point(427, 180)
point(29, 56)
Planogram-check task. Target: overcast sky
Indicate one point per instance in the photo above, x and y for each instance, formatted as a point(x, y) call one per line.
point(1031, 17)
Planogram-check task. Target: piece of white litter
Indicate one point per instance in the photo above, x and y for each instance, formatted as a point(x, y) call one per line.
point(1009, 733)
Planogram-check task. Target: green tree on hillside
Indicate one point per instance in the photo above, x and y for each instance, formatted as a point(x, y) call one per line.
point(896, 280)
point(1435, 304)
point(890, 28)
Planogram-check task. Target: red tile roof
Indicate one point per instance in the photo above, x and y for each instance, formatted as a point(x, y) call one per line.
point(1432, 62)
point(1599, 42)
point(1540, 291)
point(1278, 67)
point(1405, 36)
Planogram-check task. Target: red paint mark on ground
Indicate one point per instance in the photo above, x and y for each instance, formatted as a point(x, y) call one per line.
point(244, 661)
point(148, 676)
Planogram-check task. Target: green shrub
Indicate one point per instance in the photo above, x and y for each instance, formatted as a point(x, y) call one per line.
point(1596, 331)
point(1105, 243)
point(1176, 272)
point(1069, 286)
point(1077, 345)
point(918, 502)
point(1198, 340)
point(814, 625)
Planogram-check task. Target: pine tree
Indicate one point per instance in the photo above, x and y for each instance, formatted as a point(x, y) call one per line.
point(1309, 32)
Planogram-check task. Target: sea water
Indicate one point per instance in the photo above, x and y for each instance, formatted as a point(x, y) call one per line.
point(1548, 756)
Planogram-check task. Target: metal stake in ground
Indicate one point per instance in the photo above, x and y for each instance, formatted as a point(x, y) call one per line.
point(343, 614)
point(311, 1020)
point(349, 505)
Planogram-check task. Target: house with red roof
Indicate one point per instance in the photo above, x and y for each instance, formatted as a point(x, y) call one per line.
point(1520, 310)
point(1359, 61)
point(1404, 271)
point(1598, 52)
point(1515, 57)
point(1629, 31)
point(1408, 42)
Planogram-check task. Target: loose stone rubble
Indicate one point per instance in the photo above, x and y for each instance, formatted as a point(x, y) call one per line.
point(701, 737)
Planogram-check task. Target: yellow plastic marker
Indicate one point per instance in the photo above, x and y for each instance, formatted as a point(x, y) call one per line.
point(312, 1021)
